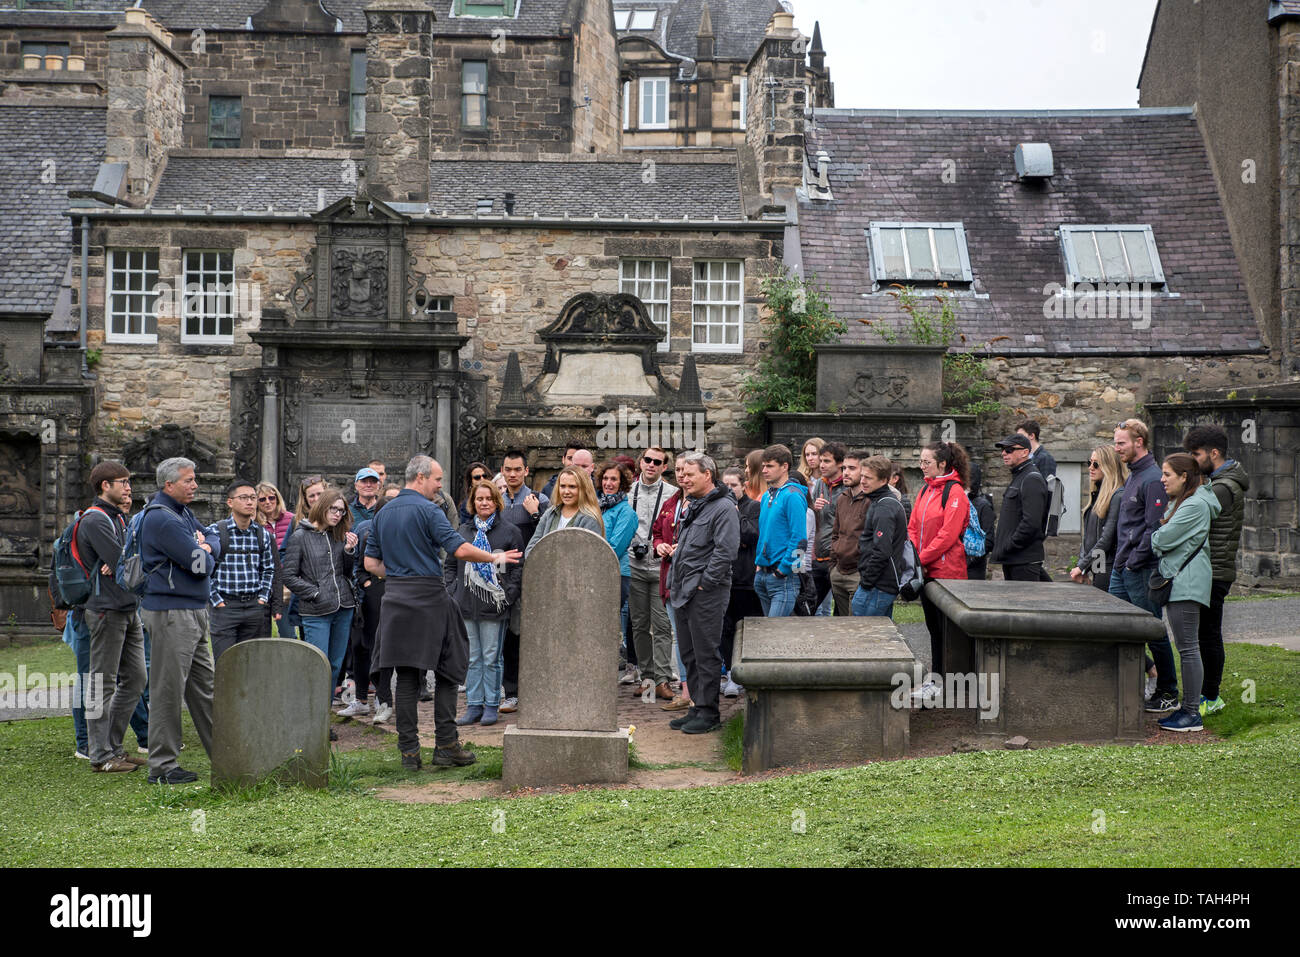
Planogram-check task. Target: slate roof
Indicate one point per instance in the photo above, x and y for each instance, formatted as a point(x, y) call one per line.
point(738, 25)
point(534, 18)
point(1283, 8)
point(255, 182)
point(1111, 167)
point(550, 188)
point(35, 232)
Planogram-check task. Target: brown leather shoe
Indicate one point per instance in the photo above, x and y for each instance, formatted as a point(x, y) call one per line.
point(663, 691)
point(114, 764)
point(139, 760)
point(677, 704)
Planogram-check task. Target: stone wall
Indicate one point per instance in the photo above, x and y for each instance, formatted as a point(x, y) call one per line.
point(778, 140)
point(91, 44)
point(530, 94)
point(293, 87)
point(145, 102)
point(595, 74)
point(398, 66)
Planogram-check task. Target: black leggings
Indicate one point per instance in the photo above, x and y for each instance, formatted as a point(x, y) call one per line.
point(934, 623)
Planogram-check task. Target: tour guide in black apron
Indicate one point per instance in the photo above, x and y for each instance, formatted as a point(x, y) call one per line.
point(420, 627)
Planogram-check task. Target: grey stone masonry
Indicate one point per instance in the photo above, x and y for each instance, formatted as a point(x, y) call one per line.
point(775, 125)
point(399, 75)
point(146, 100)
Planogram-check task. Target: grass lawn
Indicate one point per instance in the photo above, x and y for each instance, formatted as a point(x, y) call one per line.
point(1232, 802)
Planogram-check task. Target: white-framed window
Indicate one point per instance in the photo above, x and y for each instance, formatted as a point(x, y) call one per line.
point(621, 19)
point(440, 304)
point(1111, 254)
point(642, 20)
point(209, 299)
point(717, 305)
point(744, 99)
point(131, 311)
point(654, 103)
point(473, 94)
point(919, 252)
point(627, 104)
point(647, 279)
point(357, 94)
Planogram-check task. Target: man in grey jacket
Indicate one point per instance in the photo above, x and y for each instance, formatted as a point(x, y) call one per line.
point(699, 584)
point(116, 641)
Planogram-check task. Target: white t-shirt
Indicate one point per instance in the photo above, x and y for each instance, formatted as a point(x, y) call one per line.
point(565, 521)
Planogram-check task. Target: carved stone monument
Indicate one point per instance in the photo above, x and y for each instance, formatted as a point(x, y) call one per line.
point(270, 713)
point(356, 366)
point(818, 690)
point(569, 641)
point(601, 358)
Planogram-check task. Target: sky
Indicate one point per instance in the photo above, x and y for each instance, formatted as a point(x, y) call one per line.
point(981, 54)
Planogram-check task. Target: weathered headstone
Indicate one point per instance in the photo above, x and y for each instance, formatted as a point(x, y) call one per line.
point(568, 658)
point(270, 713)
point(1066, 660)
point(818, 690)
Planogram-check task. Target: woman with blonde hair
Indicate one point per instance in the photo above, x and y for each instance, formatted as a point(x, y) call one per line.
point(1101, 519)
point(272, 515)
point(754, 475)
point(810, 459)
point(575, 505)
point(309, 490)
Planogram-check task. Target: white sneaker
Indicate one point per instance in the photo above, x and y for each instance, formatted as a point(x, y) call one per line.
point(929, 693)
point(354, 709)
point(630, 677)
point(82, 755)
point(383, 714)
point(731, 689)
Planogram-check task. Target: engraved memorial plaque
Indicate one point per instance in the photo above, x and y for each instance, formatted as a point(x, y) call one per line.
point(340, 436)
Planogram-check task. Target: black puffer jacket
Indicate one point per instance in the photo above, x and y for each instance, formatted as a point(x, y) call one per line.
point(1229, 487)
point(1019, 536)
point(742, 569)
point(880, 549)
point(318, 571)
point(503, 536)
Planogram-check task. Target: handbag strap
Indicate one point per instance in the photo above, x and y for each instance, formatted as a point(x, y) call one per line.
point(1189, 558)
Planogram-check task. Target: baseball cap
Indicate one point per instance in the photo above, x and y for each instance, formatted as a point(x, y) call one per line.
point(365, 474)
point(1016, 441)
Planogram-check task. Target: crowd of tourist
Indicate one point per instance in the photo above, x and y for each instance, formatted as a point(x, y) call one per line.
point(412, 595)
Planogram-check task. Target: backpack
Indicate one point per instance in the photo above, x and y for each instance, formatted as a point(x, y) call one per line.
point(973, 539)
point(1055, 506)
point(130, 573)
point(910, 579)
point(71, 582)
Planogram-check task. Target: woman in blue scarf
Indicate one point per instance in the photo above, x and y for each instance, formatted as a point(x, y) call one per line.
point(484, 592)
point(620, 519)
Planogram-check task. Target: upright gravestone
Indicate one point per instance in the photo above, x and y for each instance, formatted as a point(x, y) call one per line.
point(270, 713)
point(568, 658)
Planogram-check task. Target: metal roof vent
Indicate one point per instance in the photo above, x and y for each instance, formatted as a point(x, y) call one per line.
point(1034, 160)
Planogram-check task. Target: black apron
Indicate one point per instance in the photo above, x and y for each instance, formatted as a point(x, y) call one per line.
point(421, 627)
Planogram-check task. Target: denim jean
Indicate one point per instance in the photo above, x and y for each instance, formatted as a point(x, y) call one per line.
point(777, 595)
point(330, 634)
point(483, 679)
point(140, 720)
point(873, 601)
point(1132, 587)
point(77, 636)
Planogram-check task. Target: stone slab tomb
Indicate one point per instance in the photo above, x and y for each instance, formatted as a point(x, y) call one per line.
point(568, 658)
point(818, 690)
point(270, 713)
point(1067, 658)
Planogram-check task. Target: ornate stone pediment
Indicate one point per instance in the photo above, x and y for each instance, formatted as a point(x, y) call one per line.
point(360, 268)
point(602, 318)
point(166, 442)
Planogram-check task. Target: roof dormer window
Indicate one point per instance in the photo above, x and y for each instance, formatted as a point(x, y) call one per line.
point(919, 252)
point(1111, 254)
point(484, 8)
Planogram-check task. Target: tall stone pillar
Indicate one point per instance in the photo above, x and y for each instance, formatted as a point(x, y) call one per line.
point(1288, 41)
point(399, 65)
point(775, 125)
point(146, 100)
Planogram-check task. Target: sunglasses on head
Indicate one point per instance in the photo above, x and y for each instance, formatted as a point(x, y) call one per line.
point(312, 480)
point(651, 461)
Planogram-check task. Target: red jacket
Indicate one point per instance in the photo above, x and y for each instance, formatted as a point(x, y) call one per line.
point(936, 531)
point(663, 530)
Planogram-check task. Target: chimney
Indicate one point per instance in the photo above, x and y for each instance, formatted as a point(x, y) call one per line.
point(704, 40)
point(399, 76)
point(146, 100)
point(823, 169)
point(776, 130)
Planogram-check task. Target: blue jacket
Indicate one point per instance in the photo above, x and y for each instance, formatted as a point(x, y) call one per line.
point(782, 527)
point(620, 527)
point(1140, 511)
point(178, 568)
